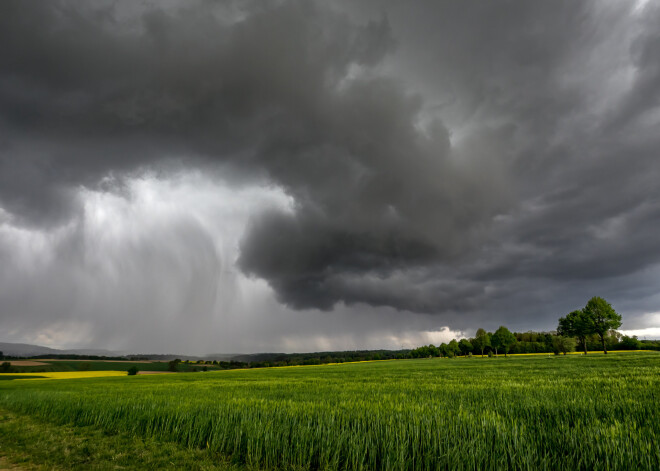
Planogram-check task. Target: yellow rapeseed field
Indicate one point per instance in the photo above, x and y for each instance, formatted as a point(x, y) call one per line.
point(65, 374)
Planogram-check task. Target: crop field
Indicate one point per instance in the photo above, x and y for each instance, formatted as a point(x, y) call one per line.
point(559, 412)
point(63, 375)
point(48, 365)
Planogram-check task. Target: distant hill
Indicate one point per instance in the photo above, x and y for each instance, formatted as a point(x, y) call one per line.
point(27, 350)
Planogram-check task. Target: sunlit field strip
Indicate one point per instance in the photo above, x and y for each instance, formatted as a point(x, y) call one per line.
point(65, 375)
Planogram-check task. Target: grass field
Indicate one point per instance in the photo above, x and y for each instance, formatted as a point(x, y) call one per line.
point(559, 412)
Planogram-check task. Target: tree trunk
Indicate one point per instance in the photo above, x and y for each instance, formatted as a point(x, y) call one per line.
point(584, 342)
point(602, 339)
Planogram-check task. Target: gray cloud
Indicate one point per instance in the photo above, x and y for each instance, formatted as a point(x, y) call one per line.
point(447, 158)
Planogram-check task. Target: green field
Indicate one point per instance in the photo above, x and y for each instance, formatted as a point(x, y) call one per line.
point(558, 412)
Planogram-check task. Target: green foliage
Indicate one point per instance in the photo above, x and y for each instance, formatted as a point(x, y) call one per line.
point(6, 367)
point(481, 340)
point(596, 318)
point(603, 318)
point(133, 370)
point(563, 344)
point(483, 415)
point(502, 338)
point(453, 348)
point(576, 324)
point(631, 343)
point(465, 346)
point(173, 365)
point(425, 351)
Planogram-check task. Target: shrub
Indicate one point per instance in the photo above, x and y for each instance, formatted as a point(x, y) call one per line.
point(133, 370)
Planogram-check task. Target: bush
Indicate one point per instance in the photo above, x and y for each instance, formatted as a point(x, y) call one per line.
point(133, 370)
point(630, 343)
point(490, 354)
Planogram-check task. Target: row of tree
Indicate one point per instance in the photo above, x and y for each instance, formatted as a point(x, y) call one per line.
point(590, 328)
point(596, 318)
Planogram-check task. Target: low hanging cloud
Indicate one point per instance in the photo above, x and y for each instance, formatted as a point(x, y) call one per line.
point(485, 162)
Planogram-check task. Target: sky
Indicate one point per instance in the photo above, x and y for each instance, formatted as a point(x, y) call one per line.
point(244, 176)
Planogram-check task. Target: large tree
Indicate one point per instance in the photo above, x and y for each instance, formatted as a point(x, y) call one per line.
point(481, 340)
point(576, 324)
point(465, 346)
point(502, 338)
point(453, 348)
point(603, 318)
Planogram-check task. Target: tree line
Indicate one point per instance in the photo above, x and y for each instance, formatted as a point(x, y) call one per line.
point(592, 328)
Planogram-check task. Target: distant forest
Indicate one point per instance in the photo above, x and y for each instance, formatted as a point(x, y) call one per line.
point(525, 342)
point(591, 328)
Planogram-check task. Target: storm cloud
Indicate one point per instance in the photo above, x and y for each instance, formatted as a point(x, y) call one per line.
point(396, 168)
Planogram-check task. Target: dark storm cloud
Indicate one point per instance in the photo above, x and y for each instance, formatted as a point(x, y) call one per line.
point(441, 156)
point(82, 93)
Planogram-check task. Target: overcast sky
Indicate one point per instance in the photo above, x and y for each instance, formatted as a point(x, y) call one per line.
point(196, 177)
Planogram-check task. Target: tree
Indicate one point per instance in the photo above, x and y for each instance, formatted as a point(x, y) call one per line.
point(563, 344)
point(465, 346)
point(503, 338)
point(453, 348)
point(133, 370)
point(576, 324)
point(603, 318)
point(173, 365)
point(444, 349)
point(481, 340)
